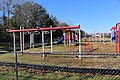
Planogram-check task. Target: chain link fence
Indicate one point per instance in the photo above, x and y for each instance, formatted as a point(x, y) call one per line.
point(101, 63)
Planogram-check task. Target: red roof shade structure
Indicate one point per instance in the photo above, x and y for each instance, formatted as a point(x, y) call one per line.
point(45, 29)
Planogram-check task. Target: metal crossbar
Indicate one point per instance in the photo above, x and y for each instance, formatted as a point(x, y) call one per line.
point(71, 53)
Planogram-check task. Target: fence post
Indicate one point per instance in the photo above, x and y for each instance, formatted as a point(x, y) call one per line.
point(15, 55)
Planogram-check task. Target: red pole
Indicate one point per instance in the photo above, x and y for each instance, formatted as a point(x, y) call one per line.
point(118, 38)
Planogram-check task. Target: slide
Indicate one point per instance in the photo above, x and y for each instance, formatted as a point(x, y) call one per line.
point(60, 40)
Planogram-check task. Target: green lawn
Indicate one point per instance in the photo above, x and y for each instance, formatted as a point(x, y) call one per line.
point(27, 75)
point(61, 60)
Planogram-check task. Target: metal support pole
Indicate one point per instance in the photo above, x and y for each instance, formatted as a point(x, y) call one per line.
point(79, 43)
point(30, 39)
point(73, 38)
point(33, 40)
point(15, 55)
point(64, 38)
point(51, 39)
point(23, 40)
point(20, 40)
point(43, 44)
point(14, 42)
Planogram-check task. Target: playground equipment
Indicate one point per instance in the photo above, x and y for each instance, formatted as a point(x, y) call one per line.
point(95, 37)
point(88, 46)
point(69, 37)
point(31, 38)
point(99, 36)
point(21, 39)
point(118, 38)
point(60, 40)
point(46, 29)
point(113, 34)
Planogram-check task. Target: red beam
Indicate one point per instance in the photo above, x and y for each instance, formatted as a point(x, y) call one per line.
point(45, 29)
point(25, 30)
point(58, 28)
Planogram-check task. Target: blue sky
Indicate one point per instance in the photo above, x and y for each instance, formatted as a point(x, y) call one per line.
point(92, 15)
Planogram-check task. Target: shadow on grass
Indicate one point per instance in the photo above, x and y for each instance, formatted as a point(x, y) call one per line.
point(94, 49)
point(64, 56)
point(20, 77)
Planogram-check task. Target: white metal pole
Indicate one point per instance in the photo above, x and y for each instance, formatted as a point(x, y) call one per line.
point(30, 39)
point(79, 43)
point(43, 44)
point(33, 40)
point(14, 43)
point(23, 40)
point(15, 55)
point(51, 39)
point(64, 38)
point(20, 40)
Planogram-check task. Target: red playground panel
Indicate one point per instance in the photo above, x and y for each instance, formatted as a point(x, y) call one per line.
point(118, 38)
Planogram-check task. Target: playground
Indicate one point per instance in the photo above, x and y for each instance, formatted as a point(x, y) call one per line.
point(66, 52)
point(70, 50)
point(36, 45)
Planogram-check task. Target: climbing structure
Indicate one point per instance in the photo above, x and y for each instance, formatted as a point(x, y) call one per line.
point(118, 38)
point(113, 34)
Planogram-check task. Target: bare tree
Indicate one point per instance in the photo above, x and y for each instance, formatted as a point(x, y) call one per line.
point(6, 7)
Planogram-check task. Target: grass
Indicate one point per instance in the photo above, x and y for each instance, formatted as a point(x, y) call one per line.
point(61, 60)
point(25, 74)
point(56, 48)
point(67, 60)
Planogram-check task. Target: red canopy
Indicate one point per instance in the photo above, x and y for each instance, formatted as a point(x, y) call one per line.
point(45, 29)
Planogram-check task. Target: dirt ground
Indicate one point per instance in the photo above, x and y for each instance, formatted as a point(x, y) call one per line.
point(104, 48)
point(98, 47)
